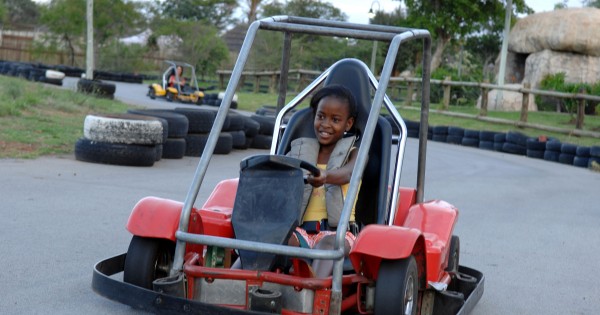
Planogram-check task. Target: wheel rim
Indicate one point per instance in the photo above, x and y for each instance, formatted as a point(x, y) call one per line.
point(408, 296)
point(162, 265)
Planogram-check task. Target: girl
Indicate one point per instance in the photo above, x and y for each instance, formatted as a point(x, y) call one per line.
point(334, 153)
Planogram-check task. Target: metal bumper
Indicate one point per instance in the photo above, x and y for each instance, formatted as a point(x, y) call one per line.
point(106, 284)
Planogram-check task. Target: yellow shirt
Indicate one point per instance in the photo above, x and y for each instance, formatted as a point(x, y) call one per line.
point(317, 207)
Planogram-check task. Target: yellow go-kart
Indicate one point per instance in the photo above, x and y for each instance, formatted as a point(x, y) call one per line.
point(172, 90)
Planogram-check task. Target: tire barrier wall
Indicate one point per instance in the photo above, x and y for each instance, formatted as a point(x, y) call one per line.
point(512, 142)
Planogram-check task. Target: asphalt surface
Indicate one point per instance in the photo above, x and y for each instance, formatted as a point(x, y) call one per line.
point(531, 226)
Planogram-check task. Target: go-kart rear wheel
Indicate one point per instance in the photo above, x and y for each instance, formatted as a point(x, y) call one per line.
point(454, 254)
point(397, 287)
point(148, 259)
point(170, 97)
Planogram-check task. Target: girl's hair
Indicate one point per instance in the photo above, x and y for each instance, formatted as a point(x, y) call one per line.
point(338, 91)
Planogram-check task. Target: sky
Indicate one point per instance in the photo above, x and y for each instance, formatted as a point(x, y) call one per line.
point(357, 10)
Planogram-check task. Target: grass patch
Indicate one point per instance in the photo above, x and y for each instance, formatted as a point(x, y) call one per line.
point(46, 122)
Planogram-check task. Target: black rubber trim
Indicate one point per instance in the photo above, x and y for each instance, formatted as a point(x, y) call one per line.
point(148, 300)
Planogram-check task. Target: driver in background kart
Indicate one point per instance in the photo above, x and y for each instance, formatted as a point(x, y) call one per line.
point(173, 79)
point(333, 151)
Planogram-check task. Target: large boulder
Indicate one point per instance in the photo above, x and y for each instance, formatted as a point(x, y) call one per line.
point(569, 30)
point(577, 67)
point(507, 100)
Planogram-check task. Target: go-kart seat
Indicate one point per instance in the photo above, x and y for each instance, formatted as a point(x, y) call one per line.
point(373, 195)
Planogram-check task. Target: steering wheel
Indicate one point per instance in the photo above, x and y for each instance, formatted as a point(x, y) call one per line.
point(315, 171)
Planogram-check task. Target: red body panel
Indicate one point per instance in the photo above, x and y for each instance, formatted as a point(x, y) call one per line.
point(435, 219)
point(408, 197)
point(159, 218)
point(155, 217)
point(377, 242)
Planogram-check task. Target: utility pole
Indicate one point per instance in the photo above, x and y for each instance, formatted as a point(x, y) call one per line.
point(89, 52)
point(504, 51)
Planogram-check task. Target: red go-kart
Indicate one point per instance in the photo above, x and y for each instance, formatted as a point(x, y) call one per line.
point(230, 256)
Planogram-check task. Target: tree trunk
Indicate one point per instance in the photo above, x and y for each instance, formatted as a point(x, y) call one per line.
point(440, 45)
point(71, 49)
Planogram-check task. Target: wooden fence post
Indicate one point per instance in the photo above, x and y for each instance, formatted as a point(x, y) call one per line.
point(484, 100)
point(446, 103)
point(525, 103)
point(409, 94)
point(273, 84)
point(221, 81)
point(256, 83)
point(580, 111)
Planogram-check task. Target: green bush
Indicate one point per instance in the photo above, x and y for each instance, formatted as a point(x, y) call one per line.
point(556, 82)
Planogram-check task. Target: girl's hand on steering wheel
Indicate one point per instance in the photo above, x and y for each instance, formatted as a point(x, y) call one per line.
point(317, 181)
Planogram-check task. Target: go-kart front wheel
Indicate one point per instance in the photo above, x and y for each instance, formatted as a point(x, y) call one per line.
point(148, 259)
point(397, 287)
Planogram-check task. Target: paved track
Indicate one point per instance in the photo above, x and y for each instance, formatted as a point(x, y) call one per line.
point(532, 227)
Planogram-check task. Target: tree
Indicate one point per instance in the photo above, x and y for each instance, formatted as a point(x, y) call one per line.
point(214, 12)
point(20, 12)
point(309, 51)
point(252, 10)
point(591, 3)
point(453, 19)
point(66, 19)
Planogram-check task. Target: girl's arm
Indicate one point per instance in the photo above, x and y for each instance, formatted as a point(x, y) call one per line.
point(339, 176)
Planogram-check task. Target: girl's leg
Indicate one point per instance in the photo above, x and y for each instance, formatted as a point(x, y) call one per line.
point(323, 267)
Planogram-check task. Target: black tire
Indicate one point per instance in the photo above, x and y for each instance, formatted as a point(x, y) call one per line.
point(262, 142)
point(486, 145)
point(500, 137)
point(439, 138)
point(267, 124)
point(583, 152)
point(397, 287)
point(454, 255)
point(238, 139)
point(513, 148)
point(224, 144)
point(498, 146)
point(440, 130)
point(553, 146)
point(517, 138)
point(535, 154)
point(174, 148)
point(96, 87)
point(551, 156)
point(151, 93)
point(178, 123)
point(170, 97)
point(581, 161)
point(147, 259)
point(236, 122)
point(195, 143)
point(412, 133)
point(115, 153)
point(566, 158)
point(412, 125)
point(470, 142)
point(568, 148)
point(595, 151)
point(199, 120)
point(454, 139)
point(535, 144)
point(487, 135)
point(251, 127)
point(472, 134)
point(456, 131)
point(158, 152)
point(58, 82)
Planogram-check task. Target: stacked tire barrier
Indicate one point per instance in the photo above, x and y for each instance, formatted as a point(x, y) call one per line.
point(97, 88)
point(124, 139)
point(32, 71)
point(174, 145)
point(510, 142)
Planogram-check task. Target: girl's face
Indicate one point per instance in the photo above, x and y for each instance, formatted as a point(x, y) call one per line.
point(332, 119)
